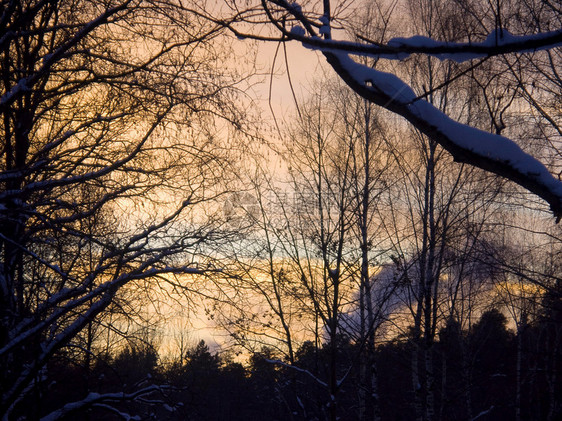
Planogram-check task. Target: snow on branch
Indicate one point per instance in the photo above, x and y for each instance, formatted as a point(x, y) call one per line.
point(481, 414)
point(479, 148)
point(97, 399)
point(300, 370)
point(498, 42)
point(29, 327)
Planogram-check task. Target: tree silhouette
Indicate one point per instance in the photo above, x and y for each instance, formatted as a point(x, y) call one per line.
point(106, 151)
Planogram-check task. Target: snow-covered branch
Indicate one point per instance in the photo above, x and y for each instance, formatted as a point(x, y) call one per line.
point(485, 150)
point(300, 370)
point(491, 152)
point(498, 42)
point(96, 399)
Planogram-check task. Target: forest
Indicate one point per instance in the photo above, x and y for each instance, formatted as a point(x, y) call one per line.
point(271, 210)
point(488, 372)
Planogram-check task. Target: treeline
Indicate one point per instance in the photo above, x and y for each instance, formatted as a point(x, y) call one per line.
point(491, 372)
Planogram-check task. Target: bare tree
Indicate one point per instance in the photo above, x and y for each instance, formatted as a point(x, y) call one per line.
point(107, 152)
point(303, 268)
